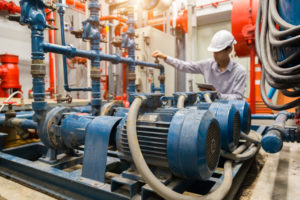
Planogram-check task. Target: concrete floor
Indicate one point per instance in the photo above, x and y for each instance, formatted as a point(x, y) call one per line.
point(10, 190)
point(280, 176)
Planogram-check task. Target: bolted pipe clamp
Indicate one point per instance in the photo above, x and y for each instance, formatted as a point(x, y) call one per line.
point(95, 73)
point(38, 70)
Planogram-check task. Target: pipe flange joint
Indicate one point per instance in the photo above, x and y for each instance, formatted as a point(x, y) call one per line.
point(131, 76)
point(38, 70)
point(117, 59)
point(72, 53)
point(95, 73)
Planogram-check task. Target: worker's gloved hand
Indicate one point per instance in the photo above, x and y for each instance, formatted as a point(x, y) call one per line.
point(158, 54)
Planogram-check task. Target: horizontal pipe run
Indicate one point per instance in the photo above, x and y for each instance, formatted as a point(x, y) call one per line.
point(17, 122)
point(269, 116)
point(70, 51)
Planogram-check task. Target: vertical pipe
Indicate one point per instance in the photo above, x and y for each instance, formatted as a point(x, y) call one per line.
point(252, 79)
point(91, 32)
point(131, 46)
point(52, 59)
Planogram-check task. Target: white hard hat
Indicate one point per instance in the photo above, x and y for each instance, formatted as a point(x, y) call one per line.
point(220, 41)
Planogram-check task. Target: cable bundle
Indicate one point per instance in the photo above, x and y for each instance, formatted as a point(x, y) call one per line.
point(280, 73)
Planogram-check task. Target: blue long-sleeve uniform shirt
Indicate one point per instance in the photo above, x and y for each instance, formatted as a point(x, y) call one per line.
point(230, 83)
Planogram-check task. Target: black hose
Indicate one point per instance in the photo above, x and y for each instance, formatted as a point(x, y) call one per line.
point(280, 74)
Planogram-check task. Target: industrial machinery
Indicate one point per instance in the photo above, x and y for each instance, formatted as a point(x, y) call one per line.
point(159, 147)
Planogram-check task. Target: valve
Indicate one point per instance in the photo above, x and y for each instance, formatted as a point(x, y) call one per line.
point(10, 113)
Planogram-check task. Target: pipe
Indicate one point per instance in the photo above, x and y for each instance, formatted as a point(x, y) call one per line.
point(77, 4)
point(52, 57)
point(181, 100)
point(271, 93)
point(148, 176)
point(272, 141)
point(113, 17)
point(70, 51)
point(63, 42)
point(270, 116)
point(18, 122)
point(252, 78)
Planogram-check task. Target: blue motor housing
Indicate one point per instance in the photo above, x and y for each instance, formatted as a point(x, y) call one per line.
point(186, 141)
point(245, 113)
point(229, 120)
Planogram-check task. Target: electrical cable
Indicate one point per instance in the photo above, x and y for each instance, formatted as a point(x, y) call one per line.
point(280, 73)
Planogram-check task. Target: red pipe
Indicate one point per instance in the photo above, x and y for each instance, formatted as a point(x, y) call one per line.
point(11, 7)
point(252, 79)
point(125, 100)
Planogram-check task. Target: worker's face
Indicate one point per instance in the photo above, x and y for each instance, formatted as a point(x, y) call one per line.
point(222, 56)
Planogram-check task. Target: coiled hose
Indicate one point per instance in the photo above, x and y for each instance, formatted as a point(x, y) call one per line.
point(149, 177)
point(269, 41)
point(246, 150)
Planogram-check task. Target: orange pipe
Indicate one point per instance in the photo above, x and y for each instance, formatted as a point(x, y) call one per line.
point(113, 17)
point(78, 5)
point(181, 21)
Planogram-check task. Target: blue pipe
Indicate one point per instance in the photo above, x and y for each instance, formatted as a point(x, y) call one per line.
point(270, 116)
point(63, 42)
point(272, 141)
point(70, 51)
point(271, 93)
point(21, 123)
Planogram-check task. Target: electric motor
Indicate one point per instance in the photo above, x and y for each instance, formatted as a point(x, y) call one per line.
point(186, 141)
point(229, 120)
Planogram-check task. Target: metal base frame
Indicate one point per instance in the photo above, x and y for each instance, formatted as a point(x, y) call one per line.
point(63, 179)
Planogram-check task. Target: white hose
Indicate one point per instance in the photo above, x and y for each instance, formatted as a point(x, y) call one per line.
point(149, 177)
point(181, 100)
point(11, 96)
point(251, 150)
point(207, 98)
point(249, 138)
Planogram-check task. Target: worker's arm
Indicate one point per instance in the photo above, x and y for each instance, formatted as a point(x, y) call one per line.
point(238, 90)
point(189, 67)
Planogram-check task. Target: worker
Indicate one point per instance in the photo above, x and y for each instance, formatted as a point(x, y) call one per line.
point(227, 76)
